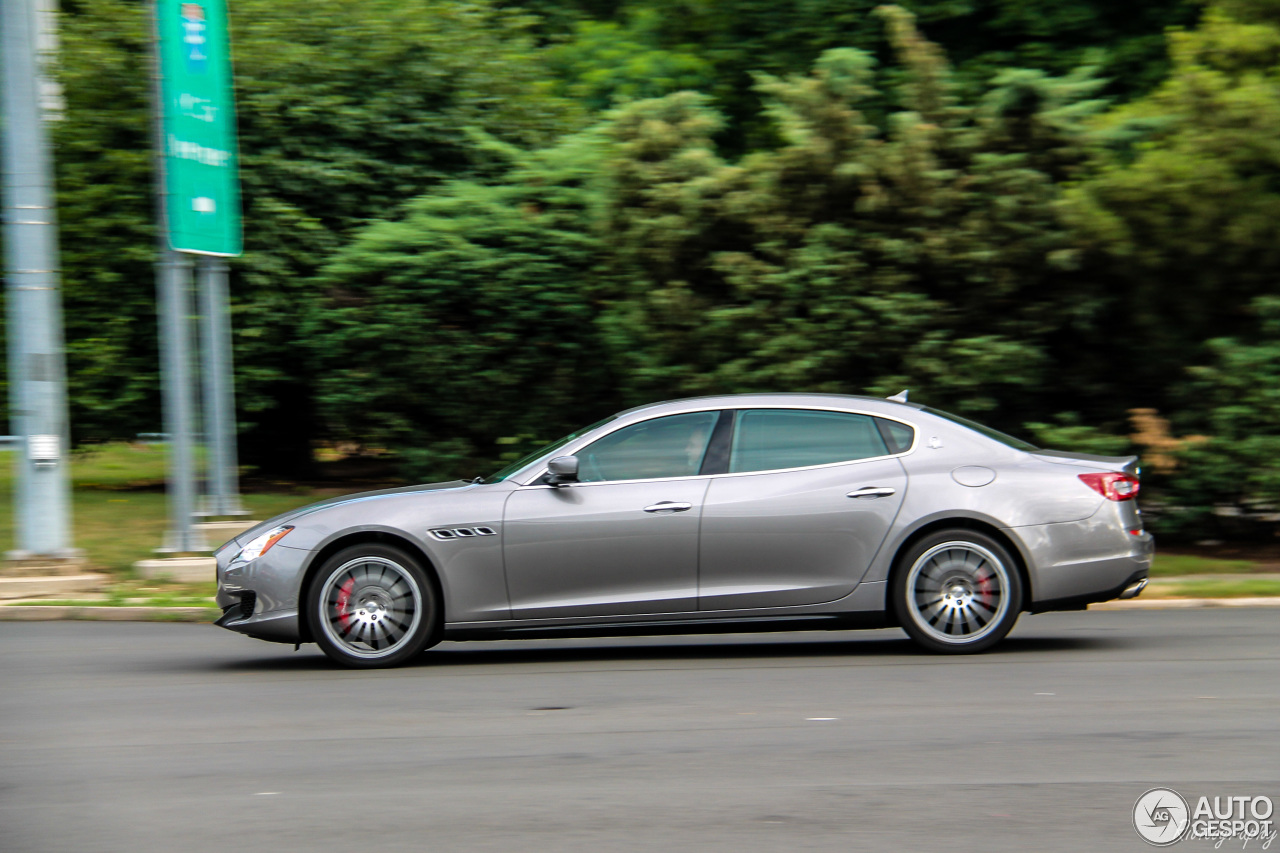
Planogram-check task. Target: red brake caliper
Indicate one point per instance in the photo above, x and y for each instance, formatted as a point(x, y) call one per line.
point(344, 597)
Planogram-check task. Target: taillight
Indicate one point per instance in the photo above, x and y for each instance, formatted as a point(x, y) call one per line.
point(1113, 486)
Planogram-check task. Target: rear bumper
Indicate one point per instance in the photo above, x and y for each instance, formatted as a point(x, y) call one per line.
point(1128, 588)
point(1076, 564)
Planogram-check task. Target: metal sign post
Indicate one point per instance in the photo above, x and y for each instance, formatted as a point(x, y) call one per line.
point(200, 212)
point(219, 394)
point(173, 301)
point(37, 378)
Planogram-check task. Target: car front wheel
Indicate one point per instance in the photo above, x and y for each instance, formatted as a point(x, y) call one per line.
point(957, 591)
point(372, 606)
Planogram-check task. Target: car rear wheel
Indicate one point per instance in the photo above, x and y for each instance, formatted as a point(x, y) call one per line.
point(372, 606)
point(957, 591)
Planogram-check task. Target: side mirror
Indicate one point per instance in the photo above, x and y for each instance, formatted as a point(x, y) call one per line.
point(562, 470)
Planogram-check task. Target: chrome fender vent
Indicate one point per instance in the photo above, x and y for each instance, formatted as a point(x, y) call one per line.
point(448, 534)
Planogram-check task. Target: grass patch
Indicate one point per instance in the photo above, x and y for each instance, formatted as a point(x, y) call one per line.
point(106, 602)
point(119, 465)
point(1251, 588)
point(1175, 565)
point(139, 593)
point(119, 509)
point(116, 529)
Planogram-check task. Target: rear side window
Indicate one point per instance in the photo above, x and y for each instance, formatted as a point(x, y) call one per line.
point(769, 439)
point(898, 436)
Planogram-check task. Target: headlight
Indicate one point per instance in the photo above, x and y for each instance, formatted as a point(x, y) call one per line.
point(262, 544)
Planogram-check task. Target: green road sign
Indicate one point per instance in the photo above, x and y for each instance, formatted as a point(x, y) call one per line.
point(202, 182)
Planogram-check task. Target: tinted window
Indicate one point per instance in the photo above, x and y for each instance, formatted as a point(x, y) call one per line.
point(766, 439)
point(897, 436)
point(663, 447)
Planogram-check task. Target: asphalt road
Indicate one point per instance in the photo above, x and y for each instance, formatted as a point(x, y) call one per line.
point(171, 737)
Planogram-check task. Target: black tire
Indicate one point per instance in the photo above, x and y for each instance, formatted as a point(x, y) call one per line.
point(957, 591)
point(372, 606)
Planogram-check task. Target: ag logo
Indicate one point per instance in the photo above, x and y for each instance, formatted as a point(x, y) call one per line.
point(1161, 816)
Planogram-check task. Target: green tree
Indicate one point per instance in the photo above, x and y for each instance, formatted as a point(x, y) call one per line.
point(606, 61)
point(928, 252)
point(729, 41)
point(1235, 398)
point(106, 211)
point(464, 328)
point(345, 109)
point(1180, 226)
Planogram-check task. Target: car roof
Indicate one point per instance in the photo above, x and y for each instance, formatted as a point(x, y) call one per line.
point(877, 405)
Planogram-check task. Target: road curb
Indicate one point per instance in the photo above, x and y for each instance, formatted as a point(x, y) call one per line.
point(89, 613)
point(1187, 603)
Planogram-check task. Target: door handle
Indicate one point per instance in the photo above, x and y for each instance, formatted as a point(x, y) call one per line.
point(871, 492)
point(668, 506)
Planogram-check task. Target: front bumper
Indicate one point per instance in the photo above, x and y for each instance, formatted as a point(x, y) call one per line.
point(261, 598)
point(280, 626)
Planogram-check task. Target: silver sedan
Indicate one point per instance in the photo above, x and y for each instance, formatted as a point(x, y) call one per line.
point(735, 513)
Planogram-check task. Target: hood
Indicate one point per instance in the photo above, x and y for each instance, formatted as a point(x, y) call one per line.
point(294, 514)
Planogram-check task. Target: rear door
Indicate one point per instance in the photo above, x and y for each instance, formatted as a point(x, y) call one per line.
point(808, 500)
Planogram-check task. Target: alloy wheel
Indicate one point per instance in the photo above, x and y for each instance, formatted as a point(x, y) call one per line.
point(957, 592)
point(370, 607)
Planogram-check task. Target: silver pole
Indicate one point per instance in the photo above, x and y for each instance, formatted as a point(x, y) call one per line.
point(219, 390)
point(173, 310)
point(37, 371)
point(173, 297)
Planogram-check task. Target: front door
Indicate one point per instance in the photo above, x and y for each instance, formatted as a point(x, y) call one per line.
point(623, 540)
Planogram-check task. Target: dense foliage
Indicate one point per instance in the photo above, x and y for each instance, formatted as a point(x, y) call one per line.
point(472, 225)
point(465, 324)
point(345, 110)
point(647, 48)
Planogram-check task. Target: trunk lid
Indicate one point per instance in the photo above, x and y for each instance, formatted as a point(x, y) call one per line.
point(1127, 464)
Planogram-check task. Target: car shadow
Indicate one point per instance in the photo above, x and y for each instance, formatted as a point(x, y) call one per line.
point(632, 650)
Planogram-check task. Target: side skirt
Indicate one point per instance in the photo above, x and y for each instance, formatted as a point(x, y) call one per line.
point(840, 622)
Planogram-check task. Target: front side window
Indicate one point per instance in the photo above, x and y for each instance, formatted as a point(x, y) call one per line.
point(770, 439)
point(542, 453)
point(673, 446)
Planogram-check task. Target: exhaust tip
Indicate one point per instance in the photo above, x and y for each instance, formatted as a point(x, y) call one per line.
point(1132, 590)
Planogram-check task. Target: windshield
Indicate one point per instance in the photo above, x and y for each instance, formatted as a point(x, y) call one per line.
point(996, 435)
point(542, 452)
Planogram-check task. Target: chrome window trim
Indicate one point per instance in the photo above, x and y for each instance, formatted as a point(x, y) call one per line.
point(915, 441)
